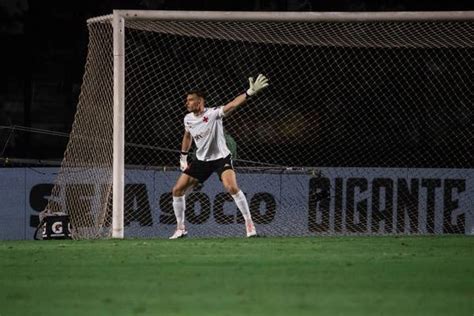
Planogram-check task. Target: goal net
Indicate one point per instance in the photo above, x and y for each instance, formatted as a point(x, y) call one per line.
point(366, 127)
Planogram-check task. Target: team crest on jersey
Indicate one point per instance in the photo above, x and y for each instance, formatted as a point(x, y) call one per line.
point(205, 119)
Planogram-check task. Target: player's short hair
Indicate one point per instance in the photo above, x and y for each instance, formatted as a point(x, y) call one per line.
point(197, 92)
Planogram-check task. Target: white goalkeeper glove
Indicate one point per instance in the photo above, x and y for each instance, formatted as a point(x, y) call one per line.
point(257, 85)
point(183, 161)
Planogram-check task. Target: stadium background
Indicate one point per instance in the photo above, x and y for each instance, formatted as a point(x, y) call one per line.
point(44, 45)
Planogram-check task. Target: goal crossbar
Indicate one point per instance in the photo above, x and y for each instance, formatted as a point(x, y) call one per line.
point(290, 16)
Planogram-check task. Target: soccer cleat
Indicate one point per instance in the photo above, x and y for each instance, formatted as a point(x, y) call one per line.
point(251, 232)
point(179, 233)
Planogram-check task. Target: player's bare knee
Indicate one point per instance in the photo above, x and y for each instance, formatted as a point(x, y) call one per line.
point(232, 189)
point(178, 191)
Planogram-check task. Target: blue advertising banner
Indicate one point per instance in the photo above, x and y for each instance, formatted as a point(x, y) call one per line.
point(335, 201)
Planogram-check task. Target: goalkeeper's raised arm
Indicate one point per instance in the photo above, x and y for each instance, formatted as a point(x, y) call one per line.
point(254, 87)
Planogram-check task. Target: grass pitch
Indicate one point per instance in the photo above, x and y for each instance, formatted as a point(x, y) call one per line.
point(267, 276)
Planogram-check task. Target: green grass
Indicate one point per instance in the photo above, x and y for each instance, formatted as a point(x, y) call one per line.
point(267, 276)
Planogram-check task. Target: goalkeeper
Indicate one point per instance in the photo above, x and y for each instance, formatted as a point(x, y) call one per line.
point(204, 126)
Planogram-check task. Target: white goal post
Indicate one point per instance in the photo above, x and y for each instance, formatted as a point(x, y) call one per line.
point(340, 31)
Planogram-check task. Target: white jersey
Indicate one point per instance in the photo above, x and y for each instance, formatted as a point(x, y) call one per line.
point(208, 133)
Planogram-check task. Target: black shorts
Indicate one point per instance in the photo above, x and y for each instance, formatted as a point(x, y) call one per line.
point(202, 170)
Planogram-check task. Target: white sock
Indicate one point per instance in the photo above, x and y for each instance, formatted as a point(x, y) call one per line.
point(179, 205)
point(242, 204)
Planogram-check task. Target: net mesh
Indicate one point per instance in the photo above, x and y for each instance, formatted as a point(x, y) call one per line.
point(359, 132)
